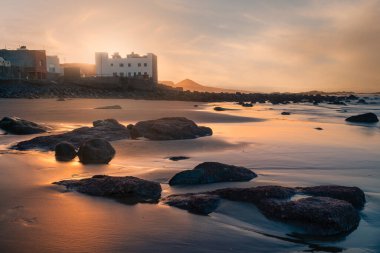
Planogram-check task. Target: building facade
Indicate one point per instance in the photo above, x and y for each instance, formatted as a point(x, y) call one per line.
point(133, 66)
point(52, 64)
point(31, 63)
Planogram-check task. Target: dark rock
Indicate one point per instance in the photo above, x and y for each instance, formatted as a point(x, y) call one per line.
point(219, 109)
point(285, 113)
point(108, 129)
point(178, 158)
point(212, 172)
point(352, 97)
point(247, 105)
point(14, 125)
point(131, 189)
point(255, 194)
point(65, 151)
point(96, 151)
point(353, 195)
point(364, 118)
point(174, 128)
point(109, 107)
point(319, 216)
point(337, 103)
point(60, 99)
point(318, 128)
point(315, 103)
point(193, 202)
point(362, 101)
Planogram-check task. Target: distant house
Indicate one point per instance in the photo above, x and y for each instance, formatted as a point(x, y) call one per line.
point(31, 64)
point(133, 66)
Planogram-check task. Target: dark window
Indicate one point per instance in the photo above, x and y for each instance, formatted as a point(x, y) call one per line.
point(111, 64)
point(129, 74)
point(139, 65)
point(145, 73)
point(114, 74)
point(121, 64)
point(121, 74)
point(145, 64)
point(129, 65)
point(139, 73)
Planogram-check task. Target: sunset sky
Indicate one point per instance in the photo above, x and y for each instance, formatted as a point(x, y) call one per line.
point(294, 45)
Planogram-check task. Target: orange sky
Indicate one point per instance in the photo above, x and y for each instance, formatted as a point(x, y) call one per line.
point(271, 45)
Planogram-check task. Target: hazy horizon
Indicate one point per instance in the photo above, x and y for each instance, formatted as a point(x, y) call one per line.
point(264, 46)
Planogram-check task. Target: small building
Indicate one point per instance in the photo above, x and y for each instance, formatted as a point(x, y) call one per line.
point(31, 63)
point(132, 66)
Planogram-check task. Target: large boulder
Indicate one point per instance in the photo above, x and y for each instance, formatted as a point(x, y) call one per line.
point(127, 189)
point(108, 129)
point(364, 118)
point(212, 172)
point(96, 151)
point(353, 195)
point(318, 216)
point(65, 151)
point(174, 128)
point(193, 202)
point(19, 126)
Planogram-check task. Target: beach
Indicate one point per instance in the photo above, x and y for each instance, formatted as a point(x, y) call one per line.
point(286, 150)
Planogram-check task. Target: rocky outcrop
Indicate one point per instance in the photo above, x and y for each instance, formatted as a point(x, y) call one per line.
point(363, 118)
point(128, 189)
point(194, 203)
point(65, 151)
point(114, 107)
point(174, 128)
point(353, 195)
point(96, 151)
point(14, 125)
point(108, 129)
point(212, 172)
point(318, 216)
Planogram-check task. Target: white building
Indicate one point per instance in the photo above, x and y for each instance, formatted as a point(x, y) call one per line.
point(4, 63)
point(52, 64)
point(133, 65)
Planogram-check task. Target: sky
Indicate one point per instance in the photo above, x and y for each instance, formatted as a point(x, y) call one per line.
point(259, 45)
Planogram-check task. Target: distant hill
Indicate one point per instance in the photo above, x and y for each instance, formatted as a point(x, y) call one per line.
point(188, 84)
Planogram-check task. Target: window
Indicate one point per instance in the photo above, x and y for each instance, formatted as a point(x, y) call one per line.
point(111, 64)
point(145, 64)
point(129, 74)
point(121, 74)
point(129, 65)
point(145, 73)
point(121, 64)
point(139, 73)
point(134, 73)
point(139, 65)
point(114, 74)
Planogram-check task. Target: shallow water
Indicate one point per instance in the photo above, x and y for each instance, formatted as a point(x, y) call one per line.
point(36, 216)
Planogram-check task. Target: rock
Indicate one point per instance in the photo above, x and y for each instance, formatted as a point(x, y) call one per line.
point(319, 216)
point(96, 151)
point(255, 194)
point(315, 103)
point(247, 105)
point(363, 118)
point(61, 99)
point(362, 101)
point(193, 202)
point(110, 107)
point(14, 125)
point(285, 113)
point(212, 172)
point(337, 103)
point(129, 189)
point(108, 129)
point(352, 97)
point(65, 151)
point(353, 195)
point(318, 128)
point(178, 158)
point(219, 109)
point(174, 128)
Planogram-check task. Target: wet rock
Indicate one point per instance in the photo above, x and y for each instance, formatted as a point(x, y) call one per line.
point(128, 189)
point(247, 105)
point(353, 195)
point(65, 151)
point(96, 151)
point(193, 202)
point(362, 101)
point(363, 118)
point(352, 97)
point(212, 172)
point(178, 158)
point(220, 109)
point(318, 128)
point(319, 216)
point(255, 194)
point(61, 99)
point(108, 129)
point(337, 103)
point(116, 107)
point(174, 128)
point(14, 125)
point(285, 113)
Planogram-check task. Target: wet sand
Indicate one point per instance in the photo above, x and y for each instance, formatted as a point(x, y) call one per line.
point(36, 216)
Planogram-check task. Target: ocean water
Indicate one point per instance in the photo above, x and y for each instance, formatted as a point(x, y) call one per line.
point(36, 216)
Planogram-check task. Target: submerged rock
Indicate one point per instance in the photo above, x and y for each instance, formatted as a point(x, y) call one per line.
point(116, 107)
point(96, 151)
point(174, 128)
point(65, 151)
point(364, 118)
point(193, 202)
point(285, 113)
point(14, 125)
point(212, 172)
point(129, 189)
point(178, 158)
point(319, 216)
point(108, 129)
point(353, 195)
